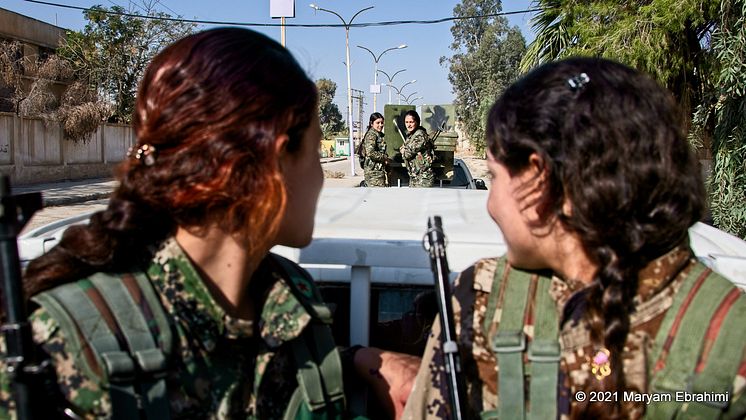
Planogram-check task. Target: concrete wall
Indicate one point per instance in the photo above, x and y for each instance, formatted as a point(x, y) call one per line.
point(29, 30)
point(34, 151)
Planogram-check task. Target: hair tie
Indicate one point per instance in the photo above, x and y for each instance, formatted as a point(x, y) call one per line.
point(144, 154)
point(578, 82)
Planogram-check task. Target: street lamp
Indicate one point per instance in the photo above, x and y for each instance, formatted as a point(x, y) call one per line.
point(398, 91)
point(406, 99)
point(414, 99)
point(375, 73)
point(347, 63)
point(391, 79)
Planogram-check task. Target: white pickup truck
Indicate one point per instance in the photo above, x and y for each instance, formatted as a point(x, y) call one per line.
point(367, 255)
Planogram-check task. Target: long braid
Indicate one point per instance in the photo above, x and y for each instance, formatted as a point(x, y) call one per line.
point(619, 178)
point(113, 237)
point(212, 107)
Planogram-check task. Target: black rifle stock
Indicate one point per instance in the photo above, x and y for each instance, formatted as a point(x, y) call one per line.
point(23, 368)
point(439, 265)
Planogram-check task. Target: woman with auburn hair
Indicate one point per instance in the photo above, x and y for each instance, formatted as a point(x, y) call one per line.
point(168, 303)
point(418, 152)
point(599, 309)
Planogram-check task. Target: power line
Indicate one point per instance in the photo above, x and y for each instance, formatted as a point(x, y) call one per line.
point(168, 8)
point(295, 25)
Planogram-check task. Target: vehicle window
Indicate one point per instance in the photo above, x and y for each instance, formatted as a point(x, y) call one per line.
point(400, 320)
point(459, 177)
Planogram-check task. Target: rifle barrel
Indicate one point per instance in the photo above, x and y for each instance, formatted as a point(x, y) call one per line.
point(20, 355)
point(439, 265)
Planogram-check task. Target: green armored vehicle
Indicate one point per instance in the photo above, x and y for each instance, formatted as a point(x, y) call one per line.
point(439, 121)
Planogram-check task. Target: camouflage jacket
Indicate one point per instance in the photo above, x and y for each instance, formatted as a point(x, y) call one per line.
point(418, 153)
point(659, 283)
point(375, 151)
point(222, 367)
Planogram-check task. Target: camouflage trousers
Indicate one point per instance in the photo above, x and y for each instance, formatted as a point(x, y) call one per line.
point(423, 179)
point(375, 178)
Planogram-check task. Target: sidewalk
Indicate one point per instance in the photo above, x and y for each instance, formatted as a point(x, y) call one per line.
point(73, 192)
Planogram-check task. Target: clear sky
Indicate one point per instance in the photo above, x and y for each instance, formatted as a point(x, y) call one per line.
point(321, 51)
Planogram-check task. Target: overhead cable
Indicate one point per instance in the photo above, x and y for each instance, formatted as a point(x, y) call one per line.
point(288, 25)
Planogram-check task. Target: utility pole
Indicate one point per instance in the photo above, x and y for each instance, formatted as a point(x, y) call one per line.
point(359, 95)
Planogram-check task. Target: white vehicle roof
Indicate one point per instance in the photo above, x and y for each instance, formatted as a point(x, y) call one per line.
point(372, 237)
point(384, 227)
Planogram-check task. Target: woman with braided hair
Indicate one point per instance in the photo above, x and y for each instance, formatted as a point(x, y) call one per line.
point(599, 309)
point(168, 304)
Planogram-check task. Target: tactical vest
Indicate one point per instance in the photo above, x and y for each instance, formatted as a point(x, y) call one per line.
point(135, 365)
point(683, 367)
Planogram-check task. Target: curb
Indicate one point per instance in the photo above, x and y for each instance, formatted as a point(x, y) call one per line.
point(336, 159)
point(66, 201)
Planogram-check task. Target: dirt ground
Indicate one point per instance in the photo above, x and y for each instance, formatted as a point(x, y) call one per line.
point(477, 167)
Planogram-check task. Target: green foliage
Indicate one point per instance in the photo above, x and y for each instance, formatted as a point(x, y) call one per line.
point(727, 106)
point(331, 118)
point(665, 38)
point(487, 52)
point(696, 48)
point(113, 50)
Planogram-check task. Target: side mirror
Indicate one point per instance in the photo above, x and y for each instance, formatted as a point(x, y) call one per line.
point(479, 184)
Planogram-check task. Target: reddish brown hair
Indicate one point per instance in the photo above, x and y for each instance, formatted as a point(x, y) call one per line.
point(212, 105)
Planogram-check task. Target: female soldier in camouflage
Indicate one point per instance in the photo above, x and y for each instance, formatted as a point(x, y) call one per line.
point(375, 152)
point(226, 166)
point(417, 152)
point(599, 297)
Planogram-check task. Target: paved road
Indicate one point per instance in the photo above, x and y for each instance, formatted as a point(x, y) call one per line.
point(66, 197)
point(70, 199)
point(51, 214)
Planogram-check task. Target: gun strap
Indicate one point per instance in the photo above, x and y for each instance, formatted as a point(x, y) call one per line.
point(103, 316)
point(148, 358)
point(513, 288)
point(319, 375)
point(544, 354)
point(693, 352)
point(509, 344)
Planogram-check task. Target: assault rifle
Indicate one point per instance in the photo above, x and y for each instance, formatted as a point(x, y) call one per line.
point(26, 372)
point(439, 265)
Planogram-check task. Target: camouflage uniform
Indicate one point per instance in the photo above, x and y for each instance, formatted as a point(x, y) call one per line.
point(222, 367)
point(375, 158)
point(659, 283)
point(418, 154)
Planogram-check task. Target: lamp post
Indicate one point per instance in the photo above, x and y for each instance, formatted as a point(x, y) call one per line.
point(414, 99)
point(391, 79)
point(375, 73)
point(398, 91)
point(347, 63)
point(406, 98)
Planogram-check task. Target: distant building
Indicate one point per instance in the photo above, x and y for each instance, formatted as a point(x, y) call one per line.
point(38, 38)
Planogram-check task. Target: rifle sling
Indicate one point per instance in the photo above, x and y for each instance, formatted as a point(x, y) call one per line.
point(509, 344)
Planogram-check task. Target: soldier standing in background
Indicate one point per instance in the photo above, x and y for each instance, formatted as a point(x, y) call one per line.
point(374, 148)
point(417, 152)
point(168, 304)
point(594, 187)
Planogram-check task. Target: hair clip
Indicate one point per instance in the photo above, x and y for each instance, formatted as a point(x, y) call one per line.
point(577, 82)
point(144, 154)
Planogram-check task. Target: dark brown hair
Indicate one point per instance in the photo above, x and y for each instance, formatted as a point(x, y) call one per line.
point(212, 106)
point(412, 113)
point(373, 117)
point(613, 144)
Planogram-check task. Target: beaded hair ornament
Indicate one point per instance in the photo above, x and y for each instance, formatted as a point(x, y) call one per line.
point(144, 154)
